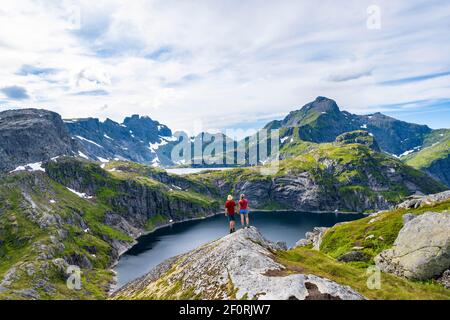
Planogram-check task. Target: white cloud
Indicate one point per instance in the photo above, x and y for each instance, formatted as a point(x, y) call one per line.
point(221, 62)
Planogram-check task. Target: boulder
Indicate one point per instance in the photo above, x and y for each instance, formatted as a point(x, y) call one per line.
point(421, 250)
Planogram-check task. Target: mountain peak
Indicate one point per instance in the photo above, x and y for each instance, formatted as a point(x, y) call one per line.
point(323, 104)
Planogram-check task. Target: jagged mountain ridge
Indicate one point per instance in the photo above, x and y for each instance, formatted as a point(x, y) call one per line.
point(322, 121)
point(137, 139)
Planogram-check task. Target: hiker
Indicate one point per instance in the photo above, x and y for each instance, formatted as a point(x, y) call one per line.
point(243, 210)
point(230, 207)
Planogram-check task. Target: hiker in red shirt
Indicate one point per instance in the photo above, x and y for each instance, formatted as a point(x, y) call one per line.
point(230, 207)
point(243, 210)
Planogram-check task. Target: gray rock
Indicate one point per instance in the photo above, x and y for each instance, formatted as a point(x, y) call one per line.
point(421, 250)
point(313, 238)
point(444, 279)
point(238, 265)
point(419, 201)
point(353, 256)
point(408, 217)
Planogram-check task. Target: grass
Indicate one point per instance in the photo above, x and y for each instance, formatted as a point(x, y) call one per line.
point(307, 261)
point(425, 157)
point(385, 228)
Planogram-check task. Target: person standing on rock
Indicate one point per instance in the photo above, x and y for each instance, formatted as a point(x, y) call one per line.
point(243, 210)
point(230, 207)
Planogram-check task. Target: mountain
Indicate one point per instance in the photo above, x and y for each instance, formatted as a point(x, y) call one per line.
point(138, 139)
point(30, 136)
point(74, 212)
point(322, 121)
point(433, 157)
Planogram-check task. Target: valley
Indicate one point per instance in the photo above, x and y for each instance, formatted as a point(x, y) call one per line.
point(80, 192)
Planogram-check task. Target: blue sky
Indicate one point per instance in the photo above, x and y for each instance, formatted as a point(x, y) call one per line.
point(210, 65)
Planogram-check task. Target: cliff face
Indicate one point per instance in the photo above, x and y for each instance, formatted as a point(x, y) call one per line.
point(135, 197)
point(30, 136)
point(240, 265)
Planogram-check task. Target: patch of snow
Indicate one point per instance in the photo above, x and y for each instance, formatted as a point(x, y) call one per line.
point(364, 126)
point(408, 152)
point(392, 170)
point(154, 146)
point(122, 125)
point(323, 112)
point(103, 166)
point(371, 134)
point(70, 121)
point(156, 162)
point(52, 201)
point(102, 159)
point(176, 187)
point(107, 137)
point(284, 139)
point(172, 138)
point(81, 154)
point(37, 166)
point(441, 134)
point(90, 141)
point(80, 194)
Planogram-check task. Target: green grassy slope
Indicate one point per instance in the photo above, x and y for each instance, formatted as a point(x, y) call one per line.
point(436, 146)
point(44, 227)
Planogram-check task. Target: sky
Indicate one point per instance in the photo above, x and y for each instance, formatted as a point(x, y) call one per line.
point(212, 65)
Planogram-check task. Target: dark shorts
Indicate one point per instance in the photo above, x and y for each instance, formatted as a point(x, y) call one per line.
point(243, 211)
point(231, 217)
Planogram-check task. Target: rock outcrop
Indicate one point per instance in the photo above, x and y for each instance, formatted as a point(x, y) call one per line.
point(29, 136)
point(312, 238)
point(240, 265)
point(421, 250)
point(418, 201)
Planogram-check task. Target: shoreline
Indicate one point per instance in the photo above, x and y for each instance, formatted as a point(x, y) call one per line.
point(113, 285)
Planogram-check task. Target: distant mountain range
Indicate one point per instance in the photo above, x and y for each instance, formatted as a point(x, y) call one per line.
point(30, 135)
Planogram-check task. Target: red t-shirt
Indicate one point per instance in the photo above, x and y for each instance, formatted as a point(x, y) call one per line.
point(230, 205)
point(243, 204)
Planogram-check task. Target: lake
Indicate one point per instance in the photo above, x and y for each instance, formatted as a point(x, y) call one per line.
point(170, 241)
